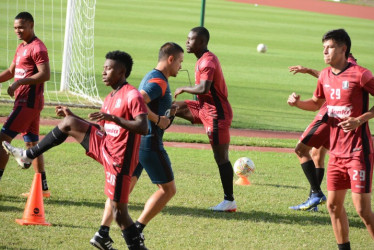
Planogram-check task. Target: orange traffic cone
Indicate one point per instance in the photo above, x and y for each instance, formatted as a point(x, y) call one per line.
point(243, 181)
point(34, 209)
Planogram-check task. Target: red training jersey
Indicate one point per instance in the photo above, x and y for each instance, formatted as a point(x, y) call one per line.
point(322, 111)
point(347, 95)
point(215, 101)
point(120, 143)
point(27, 57)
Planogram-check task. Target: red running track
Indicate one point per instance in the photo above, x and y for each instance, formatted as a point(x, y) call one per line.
point(200, 130)
point(319, 6)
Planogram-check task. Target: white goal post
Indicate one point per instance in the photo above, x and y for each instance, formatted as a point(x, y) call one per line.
point(78, 69)
point(67, 29)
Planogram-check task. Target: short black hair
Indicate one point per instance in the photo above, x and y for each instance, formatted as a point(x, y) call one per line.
point(169, 49)
point(341, 37)
point(202, 32)
point(25, 16)
point(122, 57)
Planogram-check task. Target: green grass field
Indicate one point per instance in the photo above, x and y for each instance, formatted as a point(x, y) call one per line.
point(263, 220)
point(259, 85)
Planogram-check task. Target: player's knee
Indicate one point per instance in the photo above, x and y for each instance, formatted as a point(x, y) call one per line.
point(334, 209)
point(171, 192)
point(302, 151)
point(364, 213)
point(120, 212)
point(221, 157)
point(67, 123)
point(315, 155)
point(221, 160)
point(169, 189)
point(331, 208)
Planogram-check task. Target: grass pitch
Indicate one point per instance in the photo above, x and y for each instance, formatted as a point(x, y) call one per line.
point(258, 84)
point(263, 220)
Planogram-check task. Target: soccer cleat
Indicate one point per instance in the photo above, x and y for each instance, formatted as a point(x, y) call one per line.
point(225, 206)
point(19, 155)
point(138, 243)
point(313, 201)
point(46, 194)
point(102, 243)
point(313, 209)
point(298, 207)
point(142, 245)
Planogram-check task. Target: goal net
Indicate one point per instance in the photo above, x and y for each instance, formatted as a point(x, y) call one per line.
point(67, 29)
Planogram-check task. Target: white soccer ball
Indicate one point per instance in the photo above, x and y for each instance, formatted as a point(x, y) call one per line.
point(261, 48)
point(244, 166)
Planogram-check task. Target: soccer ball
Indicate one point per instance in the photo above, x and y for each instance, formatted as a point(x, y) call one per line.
point(244, 166)
point(261, 48)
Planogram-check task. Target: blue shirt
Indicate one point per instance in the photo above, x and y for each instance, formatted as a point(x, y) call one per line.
point(156, 85)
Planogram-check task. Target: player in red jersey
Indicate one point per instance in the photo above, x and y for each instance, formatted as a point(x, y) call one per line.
point(155, 90)
point(30, 69)
point(313, 144)
point(114, 141)
point(212, 109)
point(345, 88)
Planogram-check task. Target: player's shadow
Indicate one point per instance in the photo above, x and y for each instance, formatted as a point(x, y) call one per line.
point(60, 203)
point(18, 248)
point(295, 217)
point(10, 208)
point(279, 186)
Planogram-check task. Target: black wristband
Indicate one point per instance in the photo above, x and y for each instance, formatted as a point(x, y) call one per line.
point(171, 118)
point(158, 121)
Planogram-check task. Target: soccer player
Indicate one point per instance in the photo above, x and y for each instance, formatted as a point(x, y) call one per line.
point(30, 69)
point(312, 148)
point(152, 156)
point(212, 109)
point(113, 141)
point(313, 144)
point(345, 87)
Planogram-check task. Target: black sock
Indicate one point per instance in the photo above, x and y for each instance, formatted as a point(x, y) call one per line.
point(310, 173)
point(320, 172)
point(53, 138)
point(132, 237)
point(1, 173)
point(139, 226)
point(104, 231)
point(227, 175)
point(44, 182)
point(344, 246)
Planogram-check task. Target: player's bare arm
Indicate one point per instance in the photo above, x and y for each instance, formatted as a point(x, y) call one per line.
point(202, 88)
point(7, 74)
point(312, 104)
point(139, 125)
point(43, 75)
point(300, 69)
point(351, 123)
point(162, 121)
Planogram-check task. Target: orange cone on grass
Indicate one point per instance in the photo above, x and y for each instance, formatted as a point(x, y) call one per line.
point(34, 209)
point(243, 180)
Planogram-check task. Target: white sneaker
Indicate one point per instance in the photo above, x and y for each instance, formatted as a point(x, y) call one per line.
point(102, 243)
point(225, 206)
point(19, 155)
